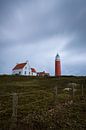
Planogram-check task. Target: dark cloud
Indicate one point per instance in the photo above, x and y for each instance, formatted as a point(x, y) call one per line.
point(47, 26)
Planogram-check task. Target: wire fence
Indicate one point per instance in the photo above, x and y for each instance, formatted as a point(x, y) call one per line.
point(14, 107)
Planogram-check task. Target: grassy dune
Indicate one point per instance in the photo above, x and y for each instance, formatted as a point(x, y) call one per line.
point(39, 107)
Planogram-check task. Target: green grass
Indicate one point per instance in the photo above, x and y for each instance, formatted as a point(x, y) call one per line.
point(39, 107)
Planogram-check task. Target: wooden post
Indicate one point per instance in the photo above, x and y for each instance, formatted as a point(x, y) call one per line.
point(73, 91)
point(56, 90)
point(55, 94)
point(14, 111)
point(15, 103)
point(82, 91)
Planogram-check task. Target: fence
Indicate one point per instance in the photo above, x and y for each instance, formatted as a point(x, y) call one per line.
point(14, 106)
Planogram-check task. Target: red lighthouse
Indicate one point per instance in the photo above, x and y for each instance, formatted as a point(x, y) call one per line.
point(57, 66)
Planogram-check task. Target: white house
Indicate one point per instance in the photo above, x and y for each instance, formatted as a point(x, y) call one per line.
point(23, 69)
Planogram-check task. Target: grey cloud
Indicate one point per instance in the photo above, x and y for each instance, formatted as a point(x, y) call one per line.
point(24, 25)
point(34, 22)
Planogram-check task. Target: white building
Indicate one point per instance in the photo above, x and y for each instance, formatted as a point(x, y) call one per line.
point(23, 69)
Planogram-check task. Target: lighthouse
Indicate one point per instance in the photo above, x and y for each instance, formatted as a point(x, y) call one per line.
point(57, 66)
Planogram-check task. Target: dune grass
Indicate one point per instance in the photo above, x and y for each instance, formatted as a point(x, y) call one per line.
point(38, 105)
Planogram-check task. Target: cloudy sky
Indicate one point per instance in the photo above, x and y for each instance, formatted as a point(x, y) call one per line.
point(36, 30)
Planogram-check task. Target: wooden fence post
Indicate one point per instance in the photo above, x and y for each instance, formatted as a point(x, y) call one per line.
point(56, 90)
point(15, 103)
point(14, 111)
point(55, 94)
point(82, 91)
point(73, 90)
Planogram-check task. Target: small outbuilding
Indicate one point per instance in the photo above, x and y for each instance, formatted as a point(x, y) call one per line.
point(43, 74)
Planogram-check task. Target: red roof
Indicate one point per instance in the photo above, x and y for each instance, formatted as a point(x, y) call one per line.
point(19, 66)
point(33, 70)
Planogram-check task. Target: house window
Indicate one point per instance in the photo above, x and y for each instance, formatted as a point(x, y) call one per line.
point(25, 67)
point(19, 72)
point(25, 72)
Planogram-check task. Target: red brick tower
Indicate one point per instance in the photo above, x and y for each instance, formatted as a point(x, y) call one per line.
point(57, 66)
